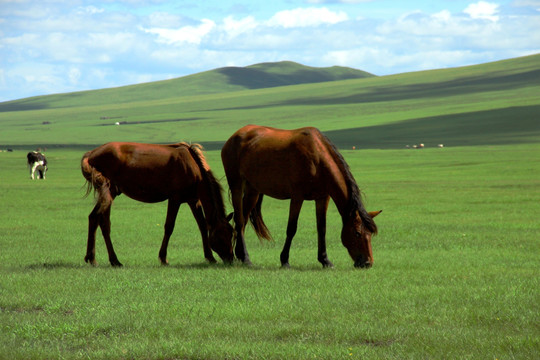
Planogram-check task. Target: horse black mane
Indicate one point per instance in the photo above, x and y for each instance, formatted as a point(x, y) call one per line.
point(355, 200)
point(214, 186)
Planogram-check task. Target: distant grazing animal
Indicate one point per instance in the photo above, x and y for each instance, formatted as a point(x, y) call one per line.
point(299, 165)
point(37, 162)
point(151, 173)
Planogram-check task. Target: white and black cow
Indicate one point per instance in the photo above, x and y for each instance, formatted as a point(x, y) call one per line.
point(37, 161)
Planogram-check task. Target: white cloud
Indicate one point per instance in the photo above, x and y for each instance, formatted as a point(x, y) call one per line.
point(51, 47)
point(88, 10)
point(234, 27)
point(337, 1)
point(483, 10)
point(186, 34)
point(443, 16)
point(74, 75)
point(163, 19)
point(527, 3)
point(307, 17)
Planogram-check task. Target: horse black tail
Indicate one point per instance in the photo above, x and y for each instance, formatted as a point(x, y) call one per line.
point(257, 221)
point(90, 174)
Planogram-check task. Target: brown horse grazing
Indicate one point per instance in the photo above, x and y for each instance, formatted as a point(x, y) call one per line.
point(299, 165)
point(153, 173)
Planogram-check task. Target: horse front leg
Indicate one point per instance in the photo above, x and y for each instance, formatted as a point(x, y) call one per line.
point(172, 211)
point(321, 208)
point(292, 225)
point(196, 209)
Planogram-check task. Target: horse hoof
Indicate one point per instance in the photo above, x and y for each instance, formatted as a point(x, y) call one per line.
point(90, 261)
point(285, 266)
point(247, 263)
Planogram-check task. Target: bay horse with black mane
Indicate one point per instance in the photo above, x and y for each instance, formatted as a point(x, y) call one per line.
point(298, 165)
point(152, 173)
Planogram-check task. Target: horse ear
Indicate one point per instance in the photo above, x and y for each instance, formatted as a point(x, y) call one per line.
point(374, 213)
point(230, 216)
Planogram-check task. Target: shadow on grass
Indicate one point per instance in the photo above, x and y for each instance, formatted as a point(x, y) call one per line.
point(462, 86)
point(392, 92)
point(203, 265)
point(259, 78)
point(23, 105)
point(54, 265)
point(513, 125)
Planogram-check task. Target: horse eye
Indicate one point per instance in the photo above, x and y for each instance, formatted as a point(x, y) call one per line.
point(358, 234)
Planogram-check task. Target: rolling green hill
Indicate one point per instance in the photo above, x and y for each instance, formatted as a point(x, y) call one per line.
point(220, 80)
point(493, 103)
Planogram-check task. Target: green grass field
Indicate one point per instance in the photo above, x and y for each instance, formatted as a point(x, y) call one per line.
point(456, 272)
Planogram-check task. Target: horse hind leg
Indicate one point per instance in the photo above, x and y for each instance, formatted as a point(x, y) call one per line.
point(101, 216)
point(93, 223)
point(240, 249)
point(105, 225)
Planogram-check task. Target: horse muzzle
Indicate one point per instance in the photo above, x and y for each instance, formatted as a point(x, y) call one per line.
point(363, 263)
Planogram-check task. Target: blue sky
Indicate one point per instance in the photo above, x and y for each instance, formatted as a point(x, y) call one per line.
point(56, 46)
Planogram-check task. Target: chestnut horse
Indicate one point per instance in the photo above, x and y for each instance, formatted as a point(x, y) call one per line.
point(299, 165)
point(153, 173)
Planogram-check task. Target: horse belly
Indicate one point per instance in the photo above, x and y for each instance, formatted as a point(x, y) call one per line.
point(144, 196)
point(151, 185)
point(156, 187)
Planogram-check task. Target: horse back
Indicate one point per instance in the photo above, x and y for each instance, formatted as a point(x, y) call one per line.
point(146, 172)
point(279, 163)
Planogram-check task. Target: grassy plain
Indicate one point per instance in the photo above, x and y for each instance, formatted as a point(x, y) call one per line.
point(455, 274)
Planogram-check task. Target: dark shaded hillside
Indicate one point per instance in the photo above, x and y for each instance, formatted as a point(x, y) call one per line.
point(467, 85)
point(477, 128)
point(289, 73)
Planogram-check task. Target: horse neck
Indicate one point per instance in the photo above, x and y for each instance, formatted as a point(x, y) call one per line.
point(346, 194)
point(347, 197)
point(340, 193)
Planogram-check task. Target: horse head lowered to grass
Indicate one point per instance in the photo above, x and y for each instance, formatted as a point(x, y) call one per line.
point(298, 165)
point(152, 173)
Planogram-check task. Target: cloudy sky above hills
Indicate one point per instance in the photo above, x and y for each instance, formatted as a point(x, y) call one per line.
point(56, 46)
